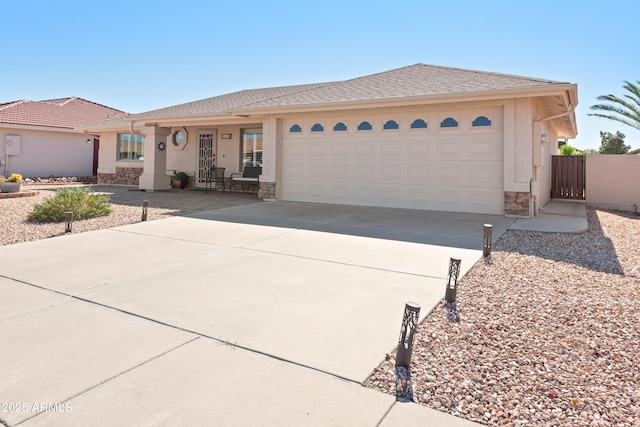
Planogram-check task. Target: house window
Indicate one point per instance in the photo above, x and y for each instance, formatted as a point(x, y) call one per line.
point(317, 128)
point(295, 129)
point(449, 122)
point(365, 126)
point(391, 124)
point(130, 147)
point(418, 124)
point(481, 121)
point(340, 127)
point(251, 147)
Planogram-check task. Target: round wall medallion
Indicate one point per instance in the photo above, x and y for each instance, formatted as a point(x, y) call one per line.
point(161, 146)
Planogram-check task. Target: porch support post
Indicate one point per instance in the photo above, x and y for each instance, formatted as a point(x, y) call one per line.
point(271, 138)
point(518, 157)
point(154, 176)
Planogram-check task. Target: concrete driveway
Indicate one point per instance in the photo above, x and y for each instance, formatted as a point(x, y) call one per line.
point(268, 314)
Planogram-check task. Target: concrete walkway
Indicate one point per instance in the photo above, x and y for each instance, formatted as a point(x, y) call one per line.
point(557, 216)
point(261, 314)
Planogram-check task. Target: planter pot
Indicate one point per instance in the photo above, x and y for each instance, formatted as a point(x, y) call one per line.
point(10, 187)
point(179, 184)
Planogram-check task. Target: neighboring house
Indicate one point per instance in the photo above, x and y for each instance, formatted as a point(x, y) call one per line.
point(39, 138)
point(636, 151)
point(418, 137)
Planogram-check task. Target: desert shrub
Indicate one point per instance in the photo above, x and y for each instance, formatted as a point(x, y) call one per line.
point(82, 202)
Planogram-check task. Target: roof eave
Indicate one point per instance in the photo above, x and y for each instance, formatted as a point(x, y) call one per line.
point(548, 90)
point(5, 125)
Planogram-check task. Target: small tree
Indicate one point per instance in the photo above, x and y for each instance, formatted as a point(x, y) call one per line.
point(613, 144)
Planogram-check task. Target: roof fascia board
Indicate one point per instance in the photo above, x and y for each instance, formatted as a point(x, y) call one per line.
point(199, 120)
point(428, 99)
point(38, 128)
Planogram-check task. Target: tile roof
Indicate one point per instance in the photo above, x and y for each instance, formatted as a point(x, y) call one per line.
point(67, 113)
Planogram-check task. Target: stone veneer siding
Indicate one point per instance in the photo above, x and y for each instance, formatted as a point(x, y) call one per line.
point(123, 176)
point(267, 190)
point(517, 203)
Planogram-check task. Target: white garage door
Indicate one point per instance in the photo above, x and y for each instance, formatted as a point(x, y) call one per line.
point(451, 165)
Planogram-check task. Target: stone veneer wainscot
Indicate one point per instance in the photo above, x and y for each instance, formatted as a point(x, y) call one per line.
point(123, 176)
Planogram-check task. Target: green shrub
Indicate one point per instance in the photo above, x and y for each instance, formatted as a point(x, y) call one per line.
point(81, 201)
point(181, 176)
point(567, 150)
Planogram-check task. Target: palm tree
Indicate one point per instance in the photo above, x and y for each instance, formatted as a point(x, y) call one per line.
point(624, 110)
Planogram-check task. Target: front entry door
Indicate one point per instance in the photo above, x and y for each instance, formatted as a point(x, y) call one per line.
point(206, 155)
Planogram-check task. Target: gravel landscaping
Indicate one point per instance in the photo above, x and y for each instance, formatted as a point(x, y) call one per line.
point(549, 332)
point(16, 229)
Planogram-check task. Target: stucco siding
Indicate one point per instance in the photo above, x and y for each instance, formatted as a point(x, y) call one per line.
point(46, 153)
point(613, 181)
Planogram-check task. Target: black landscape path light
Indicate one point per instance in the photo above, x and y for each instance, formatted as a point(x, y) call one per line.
point(486, 245)
point(68, 217)
point(452, 289)
point(407, 330)
point(145, 208)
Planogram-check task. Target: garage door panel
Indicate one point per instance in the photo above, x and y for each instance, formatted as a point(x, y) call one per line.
point(484, 201)
point(364, 195)
point(390, 148)
point(339, 194)
point(418, 148)
point(364, 148)
point(448, 173)
point(365, 172)
point(449, 148)
point(340, 171)
point(487, 146)
point(294, 172)
point(391, 195)
point(316, 171)
point(485, 174)
point(340, 149)
point(418, 173)
point(391, 173)
point(458, 170)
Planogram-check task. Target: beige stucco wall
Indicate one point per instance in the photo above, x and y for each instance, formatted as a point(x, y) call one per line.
point(613, 181)
point(46, 153)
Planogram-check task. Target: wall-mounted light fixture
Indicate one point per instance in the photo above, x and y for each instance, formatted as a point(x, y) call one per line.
point(544, 138)
point(88, 140)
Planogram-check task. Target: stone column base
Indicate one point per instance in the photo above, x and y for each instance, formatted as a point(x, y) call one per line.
point(517, 203)
point(267, 191)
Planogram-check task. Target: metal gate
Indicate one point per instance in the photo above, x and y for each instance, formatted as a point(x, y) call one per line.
point(568, 177)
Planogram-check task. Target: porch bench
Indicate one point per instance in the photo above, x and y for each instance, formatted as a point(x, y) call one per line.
point(250, 176)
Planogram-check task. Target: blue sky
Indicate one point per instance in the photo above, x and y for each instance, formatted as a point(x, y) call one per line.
point(139, 56)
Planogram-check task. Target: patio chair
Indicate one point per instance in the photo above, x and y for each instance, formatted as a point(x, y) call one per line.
point(215, 175)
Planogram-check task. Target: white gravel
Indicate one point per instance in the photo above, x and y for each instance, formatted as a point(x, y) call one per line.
point(549, 333)
point(16, 229)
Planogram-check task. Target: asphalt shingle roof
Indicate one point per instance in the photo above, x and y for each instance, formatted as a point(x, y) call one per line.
point(414, 80)
point(410, 81)
point(223, 103)
point(68, 113)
